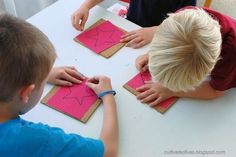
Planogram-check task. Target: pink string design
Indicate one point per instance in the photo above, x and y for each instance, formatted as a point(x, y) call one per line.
point(81, 99)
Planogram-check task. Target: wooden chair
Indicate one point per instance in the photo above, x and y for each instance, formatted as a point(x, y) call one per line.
point(207, 3)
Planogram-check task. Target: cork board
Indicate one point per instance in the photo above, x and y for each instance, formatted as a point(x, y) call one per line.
point(138, 81)
point(77, 101)
point(102, 38)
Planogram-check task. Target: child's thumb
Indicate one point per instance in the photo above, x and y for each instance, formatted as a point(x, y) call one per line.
point(90, 85)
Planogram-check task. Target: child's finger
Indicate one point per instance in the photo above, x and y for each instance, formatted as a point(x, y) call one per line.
point(150, 98)
point(139, 67)
point(139, 44)
point(81, 75)
point(142, 88)
point(82, 22)
point(128, 38)
point(75, 73)
point(156, 102)
point(90, 85)
point(133, 42)
point(128, 34)
point(75, 22)
point(144, 68)
point(78, 73)
point(93, 80)
point(71, 67)
point(136, 40)
point(148, 82)
point(63, 83)
point(72, 20)
point(70, 78)
point(145, 94)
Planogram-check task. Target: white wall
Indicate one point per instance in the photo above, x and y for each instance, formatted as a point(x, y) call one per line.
point(227, 7)
point(24, 8)
point(2, 7)
point(27, 8)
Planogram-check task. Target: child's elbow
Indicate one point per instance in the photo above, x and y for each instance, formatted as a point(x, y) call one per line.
point(220, 93)
point(217, 94)
point(111, 151)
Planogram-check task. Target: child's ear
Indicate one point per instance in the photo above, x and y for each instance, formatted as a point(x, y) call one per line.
point(25, 93)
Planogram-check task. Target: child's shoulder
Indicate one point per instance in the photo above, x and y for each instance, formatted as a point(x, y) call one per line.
point(27, 138)
point(22, 128)
point(22, 137)
point(27, 131)
point(21, 124)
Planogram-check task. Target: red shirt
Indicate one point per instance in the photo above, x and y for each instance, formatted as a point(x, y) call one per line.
point(223, 76)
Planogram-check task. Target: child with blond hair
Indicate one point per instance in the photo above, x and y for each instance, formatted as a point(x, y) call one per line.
point(26, 58)
point(192, 55)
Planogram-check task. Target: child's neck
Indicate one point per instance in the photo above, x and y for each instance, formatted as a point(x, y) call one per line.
point(6, 113)
point(5, 118)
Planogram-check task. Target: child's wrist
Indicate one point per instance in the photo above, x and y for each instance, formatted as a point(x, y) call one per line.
point(87, 6)
point(106, 93)
point(107, 99)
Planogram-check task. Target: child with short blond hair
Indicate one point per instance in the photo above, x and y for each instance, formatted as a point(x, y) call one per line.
point(26, 58)
point(189, 46)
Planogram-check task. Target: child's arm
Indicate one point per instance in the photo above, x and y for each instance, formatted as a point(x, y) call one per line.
point(141, 62)
point(80, 16)
point(204, 91)
point(154, 93)
point(140, 37)
point(65, 76)
point(109, 132)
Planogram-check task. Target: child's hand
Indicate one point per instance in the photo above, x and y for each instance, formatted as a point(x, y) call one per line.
point(65, 76)
point(138, 38)
point(79, 18)
point(141, 63)
point(99, 84)
point(153, 93)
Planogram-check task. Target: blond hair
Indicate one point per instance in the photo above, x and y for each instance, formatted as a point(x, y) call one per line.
point(26, 56)
point(185, 49)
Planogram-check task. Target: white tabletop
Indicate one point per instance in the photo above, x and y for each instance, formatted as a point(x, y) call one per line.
point(190, 125)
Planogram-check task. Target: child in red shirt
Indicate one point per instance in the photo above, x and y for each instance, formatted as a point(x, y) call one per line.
point(188, 46)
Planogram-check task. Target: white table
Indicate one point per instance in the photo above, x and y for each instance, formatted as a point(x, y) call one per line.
point(190, 125)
